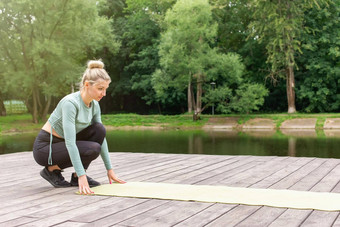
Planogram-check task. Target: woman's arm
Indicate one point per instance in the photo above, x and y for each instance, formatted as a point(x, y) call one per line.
point(105, 152)
point(69, 113)
point(104, 147)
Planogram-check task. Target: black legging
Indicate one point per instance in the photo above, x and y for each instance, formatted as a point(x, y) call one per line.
point(88, 142)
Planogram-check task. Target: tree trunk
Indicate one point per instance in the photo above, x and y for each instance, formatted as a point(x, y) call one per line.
point(46, 108)
point(189, 97)
point(291, 90)
point(2, 107)
point(35, 106)
point(199, 94)
point(195, 116)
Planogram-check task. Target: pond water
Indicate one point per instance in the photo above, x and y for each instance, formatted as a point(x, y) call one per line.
point(310, 144)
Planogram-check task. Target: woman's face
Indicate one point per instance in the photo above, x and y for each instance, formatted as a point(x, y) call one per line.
point(98, 90)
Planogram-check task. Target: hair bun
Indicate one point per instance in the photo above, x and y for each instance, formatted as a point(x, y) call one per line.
point(95, 64)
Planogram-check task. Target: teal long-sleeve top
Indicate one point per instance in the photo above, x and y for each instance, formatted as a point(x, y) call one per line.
point(70, 117)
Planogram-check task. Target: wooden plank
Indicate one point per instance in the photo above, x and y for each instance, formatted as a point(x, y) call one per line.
point(329, 182)
point(188, 176)
point(206, 216)
point(320, 218)
point(115, 207)
point(100, 203)
point(13, 204)
point(234, 216)
point(28, 200)
point(117, 217)
point(177, 173)
point(45, 210)
point(235, 168)
point(86, 207)
point(203, 177)
point(257, 173)
point(337, 221)
point(291, 218)
point(297, 175)
point(160, 170)
point(36, 176)
point(166, 215)
point(263, 217)
point(70, 224)
point(281, 174)
point(315, 176)
point(17, 221)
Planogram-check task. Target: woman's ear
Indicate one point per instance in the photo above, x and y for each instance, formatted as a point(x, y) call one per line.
point(86, 84)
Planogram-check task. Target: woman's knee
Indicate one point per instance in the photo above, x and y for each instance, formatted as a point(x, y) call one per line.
point(93, 149)
point(99, 128)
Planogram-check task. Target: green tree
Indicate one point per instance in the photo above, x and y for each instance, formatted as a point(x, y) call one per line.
point(187, 58)
point(230, 91)
point(138, 27)
point(44, 45)
point(319, 73)
point(184, 49)
point(280, 24)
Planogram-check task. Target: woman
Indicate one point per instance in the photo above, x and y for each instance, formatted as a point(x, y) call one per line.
point(74, 134)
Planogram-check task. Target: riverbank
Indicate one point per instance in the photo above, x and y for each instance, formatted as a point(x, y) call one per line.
point(23, 123)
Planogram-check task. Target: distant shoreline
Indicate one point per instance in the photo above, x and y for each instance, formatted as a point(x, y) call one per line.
point(15, 124)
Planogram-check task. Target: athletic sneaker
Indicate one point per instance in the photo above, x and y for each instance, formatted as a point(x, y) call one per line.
point(55, 178)
point(92, 183)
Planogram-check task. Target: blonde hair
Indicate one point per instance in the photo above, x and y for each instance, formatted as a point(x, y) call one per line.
point(95, 71)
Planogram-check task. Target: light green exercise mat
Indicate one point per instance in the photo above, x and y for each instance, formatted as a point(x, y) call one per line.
point(223, 194)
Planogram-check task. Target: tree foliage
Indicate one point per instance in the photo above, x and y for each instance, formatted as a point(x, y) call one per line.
point(44, 45)
point(319, 75)
point(280, 24)
point(160, 53)
point(184, 49)
point(187, 57)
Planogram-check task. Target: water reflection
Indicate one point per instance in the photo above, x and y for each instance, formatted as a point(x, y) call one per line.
point(292, 146)
point(306, 143)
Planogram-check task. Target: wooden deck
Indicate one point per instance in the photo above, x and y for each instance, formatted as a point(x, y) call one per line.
point(28, 200)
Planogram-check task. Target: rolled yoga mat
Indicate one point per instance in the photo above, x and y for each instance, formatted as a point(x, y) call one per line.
point(223, 194)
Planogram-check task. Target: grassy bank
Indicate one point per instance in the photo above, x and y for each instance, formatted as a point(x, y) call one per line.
point(23, 123)
point(18, 123)
point(281, 117)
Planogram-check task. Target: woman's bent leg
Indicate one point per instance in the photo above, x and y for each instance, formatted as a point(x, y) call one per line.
point(88, 151)
point(95, 133)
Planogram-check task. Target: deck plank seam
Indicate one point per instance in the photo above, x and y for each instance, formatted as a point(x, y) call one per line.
point(312, 170)
point(337, 217)
point(123, 210)
point(272, 173)
point(284, 178)
point(306, 218)
point(234, 168)
point(338, 181)
point(197, 167)
point(213, 169)
point(154, 207)
point(247, 216)
point(174, 171)
point(197, 213)
point(325, 177)
point(211, 221)
point(257, 171)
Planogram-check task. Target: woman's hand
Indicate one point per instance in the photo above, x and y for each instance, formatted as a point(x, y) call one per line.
point(112, 177)
point(84, 187)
